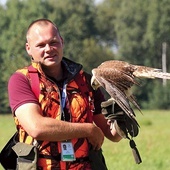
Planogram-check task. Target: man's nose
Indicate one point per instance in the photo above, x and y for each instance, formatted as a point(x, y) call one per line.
point(47, 47)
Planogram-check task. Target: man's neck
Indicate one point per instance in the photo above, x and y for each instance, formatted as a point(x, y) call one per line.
point(55, 72)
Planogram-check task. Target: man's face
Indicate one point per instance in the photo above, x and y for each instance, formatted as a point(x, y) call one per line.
point(45, 45)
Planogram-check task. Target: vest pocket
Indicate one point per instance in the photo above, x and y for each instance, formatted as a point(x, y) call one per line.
point(27, 156)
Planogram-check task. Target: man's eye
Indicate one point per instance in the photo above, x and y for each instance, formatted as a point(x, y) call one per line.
point(41, 45)
point(54, 43)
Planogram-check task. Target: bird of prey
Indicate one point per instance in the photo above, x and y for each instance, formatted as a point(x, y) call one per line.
point(117, 78)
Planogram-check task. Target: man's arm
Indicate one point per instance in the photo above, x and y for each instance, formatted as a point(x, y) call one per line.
point(25, 107)
point(50, 129)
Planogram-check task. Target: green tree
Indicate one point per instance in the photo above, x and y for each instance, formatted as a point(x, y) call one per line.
point(76, 22)
point(15, 17)
point(136, 28)
point(94, 54)
point(75, 19)
point(160, 97)
point(130, 26)
point(105, 21)
point(141, 28)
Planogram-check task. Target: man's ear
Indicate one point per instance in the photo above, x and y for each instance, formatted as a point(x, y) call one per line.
point(62, 40)
point(27, 47)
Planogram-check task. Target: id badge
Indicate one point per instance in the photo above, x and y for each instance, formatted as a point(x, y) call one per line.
point(67, 151)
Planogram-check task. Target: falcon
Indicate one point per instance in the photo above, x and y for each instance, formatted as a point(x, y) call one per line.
point(118, 77)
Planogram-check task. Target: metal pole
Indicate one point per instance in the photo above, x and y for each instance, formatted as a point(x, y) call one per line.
point(164, 60)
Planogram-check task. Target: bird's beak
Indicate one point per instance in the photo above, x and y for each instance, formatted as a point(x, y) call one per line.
point(94, 83)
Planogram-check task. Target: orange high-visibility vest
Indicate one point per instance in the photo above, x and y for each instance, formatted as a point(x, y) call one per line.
point(81, 106)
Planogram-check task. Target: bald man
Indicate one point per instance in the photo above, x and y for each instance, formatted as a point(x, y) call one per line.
point(64, 111)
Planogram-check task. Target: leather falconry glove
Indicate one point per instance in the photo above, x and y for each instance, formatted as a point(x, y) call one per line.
point(124, 125)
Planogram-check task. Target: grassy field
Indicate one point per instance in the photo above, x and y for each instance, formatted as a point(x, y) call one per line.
point(153, 143)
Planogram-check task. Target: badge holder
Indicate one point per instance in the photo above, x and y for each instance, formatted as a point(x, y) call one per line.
point(67, 151)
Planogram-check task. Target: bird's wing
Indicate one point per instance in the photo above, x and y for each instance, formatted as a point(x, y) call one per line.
point(121, 78)
point(117, 76)
point(119, 97)
point(123, 74)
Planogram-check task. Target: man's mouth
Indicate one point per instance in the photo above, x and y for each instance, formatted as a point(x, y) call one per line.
point(49, 57)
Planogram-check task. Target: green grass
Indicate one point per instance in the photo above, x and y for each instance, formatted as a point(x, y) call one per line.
point(7, 128)
point(152, 142)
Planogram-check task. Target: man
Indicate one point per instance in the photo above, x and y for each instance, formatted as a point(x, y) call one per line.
point(61, 113)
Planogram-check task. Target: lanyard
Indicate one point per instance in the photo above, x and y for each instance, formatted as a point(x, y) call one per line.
point(63, 97)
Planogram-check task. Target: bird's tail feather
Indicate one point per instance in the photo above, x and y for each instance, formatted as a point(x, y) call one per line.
point(134, 102)
point(148, 72)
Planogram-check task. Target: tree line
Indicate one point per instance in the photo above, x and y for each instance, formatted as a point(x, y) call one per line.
point(133, 31)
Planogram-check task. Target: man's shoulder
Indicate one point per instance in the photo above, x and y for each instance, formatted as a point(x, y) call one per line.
point(23, 70)
point(20, 73)
point(18, 77)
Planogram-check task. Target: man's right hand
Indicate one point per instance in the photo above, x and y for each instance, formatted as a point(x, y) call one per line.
point(96, 137)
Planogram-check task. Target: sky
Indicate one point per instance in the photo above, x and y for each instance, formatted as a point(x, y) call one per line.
point(2, 1)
